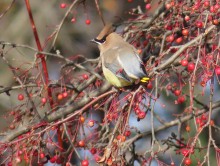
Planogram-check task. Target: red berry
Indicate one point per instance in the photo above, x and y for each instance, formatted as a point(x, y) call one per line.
point(91, 123)
point(215, 22)
point(130, 0)
point(177, 92)
point(216, 7)
point(68, 164)
point(187, 18)
point(9, 163)
point(82, 119)
point(168, 6)
point(85, 76)
point(20, 97)
point(179, 40)
point(191, 67)
point(12, 126)
point(43, 100)
point(65, 94)
point(148, 6)
point(121, 138)
point(18, 160)
point(181, 99)
point(58, 160)
point(185, 32)
point(60, 97)
point(217, 70)
point(169, 87)
point(187, 161)
point(204, 117)
point(42, 155)
point(212, 9)
point(53, 159)
point(184, 62)
point(81, 143)
point(149, 85)
point(85, 163)
point(199, 24)
point(206, 3)
point(88, 21)
point(185, 152)
point(93, 150)
point(141, 115)
point(170, 38)
point(73, 20)
point(137, 111)
point(127, 133)
point(172, 164)
point(63, 5)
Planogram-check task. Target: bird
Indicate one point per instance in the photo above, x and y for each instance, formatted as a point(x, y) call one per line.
point(121, 64)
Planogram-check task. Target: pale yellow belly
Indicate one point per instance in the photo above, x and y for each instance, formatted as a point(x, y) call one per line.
point(113, 79)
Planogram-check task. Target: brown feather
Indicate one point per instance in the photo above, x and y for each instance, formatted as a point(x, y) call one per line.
point(106, 31)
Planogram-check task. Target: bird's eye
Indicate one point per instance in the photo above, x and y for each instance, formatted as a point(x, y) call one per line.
point(101, 41)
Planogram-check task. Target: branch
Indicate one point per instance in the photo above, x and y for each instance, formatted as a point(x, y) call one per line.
point(170, 124)
point(169, 61)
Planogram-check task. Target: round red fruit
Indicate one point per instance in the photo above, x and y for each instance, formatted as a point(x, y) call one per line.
point(20, 97)
point(168, 6)
point(82, 119)
point(43, 100)
point(141, 115)
point(73, 20)
point(18, 160)
point(60, 97)
point(81, 143)
point(65, 94)
point(88, 21)
point(185, 32)
point(148, 6)
point(187, 161)
point(85, 76)
point(187, 18)
point(179, 40)
point(206, 3)
point(191, 67)
point(91, 123)
point(184, 62)
point(53, 160)
point(185, 152)
point(170, 38)
point(121, 138)
point(93, 150)
point(181, 99)
point(177, 92)
point(85, 163)
point(42, 155)
point(149, 85)
point(127, 133)
point(199, 24)
point(63, 5)
point(217, 70)
point(215, 22)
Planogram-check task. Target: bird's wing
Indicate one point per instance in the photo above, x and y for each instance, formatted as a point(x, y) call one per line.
point(131, 62)
point(112, 63)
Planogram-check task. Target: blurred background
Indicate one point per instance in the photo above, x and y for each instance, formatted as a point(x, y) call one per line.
point(72, 40)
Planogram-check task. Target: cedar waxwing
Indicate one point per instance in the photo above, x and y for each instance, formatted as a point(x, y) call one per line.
point(121, 63)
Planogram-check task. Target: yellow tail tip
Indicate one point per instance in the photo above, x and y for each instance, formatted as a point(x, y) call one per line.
point(145, 79)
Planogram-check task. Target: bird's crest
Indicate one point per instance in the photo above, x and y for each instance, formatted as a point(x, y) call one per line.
point(108, 29)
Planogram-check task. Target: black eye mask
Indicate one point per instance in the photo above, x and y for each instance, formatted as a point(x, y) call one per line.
point(101, 40)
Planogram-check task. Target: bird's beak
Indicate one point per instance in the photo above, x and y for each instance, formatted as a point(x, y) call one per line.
point(93, 40)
